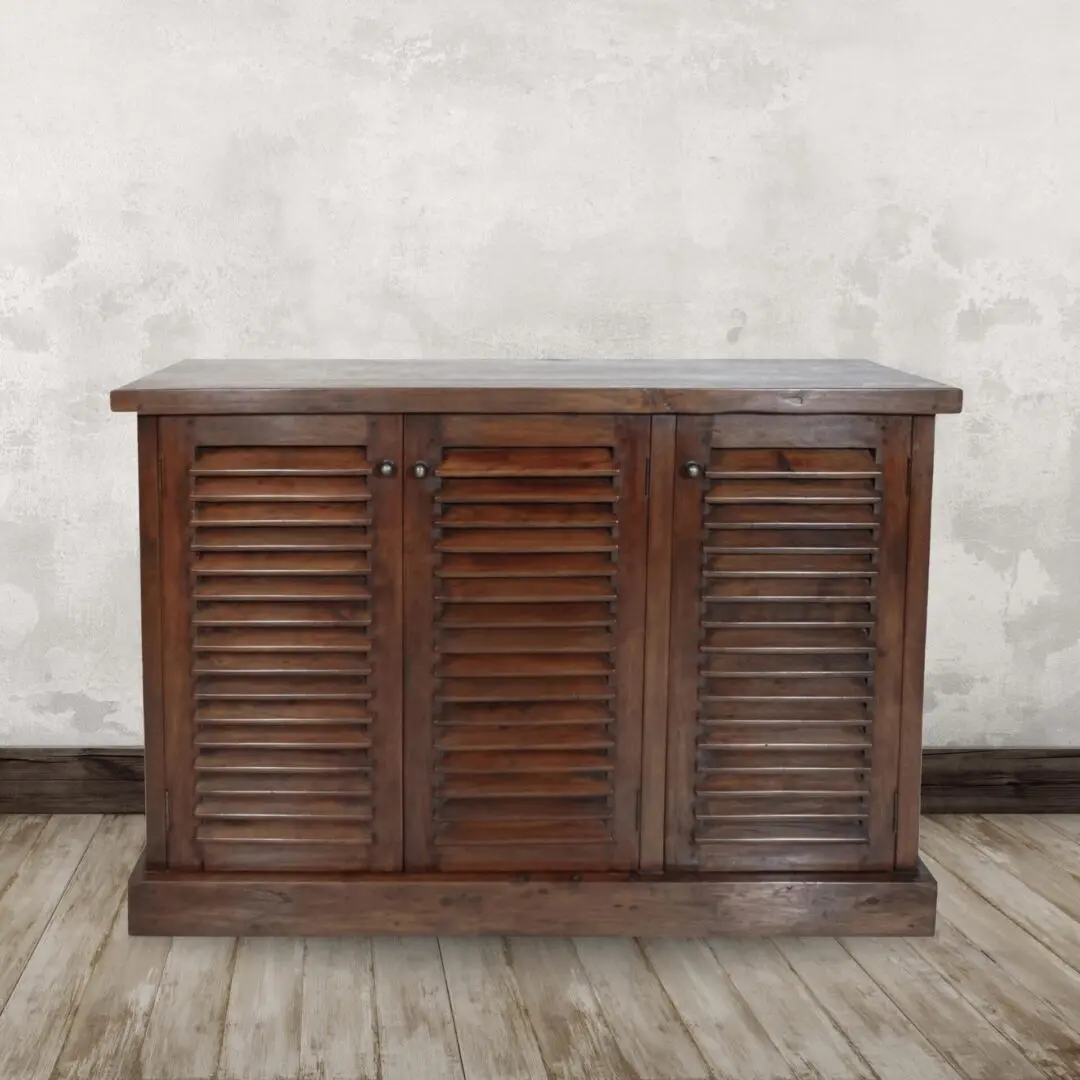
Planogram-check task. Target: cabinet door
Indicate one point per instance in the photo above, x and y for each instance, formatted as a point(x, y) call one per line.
point(790, 538)
point(281, 570)
point(524, 566)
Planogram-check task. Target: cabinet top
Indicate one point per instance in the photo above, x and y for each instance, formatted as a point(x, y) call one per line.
point(529, 386)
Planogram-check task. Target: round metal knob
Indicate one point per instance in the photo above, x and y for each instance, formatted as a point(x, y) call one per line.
point(386, 468)
point(420, 470)
point(693, 470)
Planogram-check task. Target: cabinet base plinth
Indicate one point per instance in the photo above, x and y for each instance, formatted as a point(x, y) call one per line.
point(671, 905)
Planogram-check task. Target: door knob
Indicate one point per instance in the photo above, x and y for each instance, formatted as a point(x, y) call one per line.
point(386, 468)
point(693, 470)
point(420, 470)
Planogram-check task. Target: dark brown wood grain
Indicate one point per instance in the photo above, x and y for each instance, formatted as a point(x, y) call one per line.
point(786, 642)
point(71, 780)
point(151, 609)
point(662, 473)
point(589, 904)
point(517, 617)
point(529, 386)
point(911, 703)
point(524, 638)
point(1001, 780)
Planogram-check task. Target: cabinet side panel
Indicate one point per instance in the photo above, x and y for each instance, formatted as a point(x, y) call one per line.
point(150, 589)
point(175, 436)
point(918, 567)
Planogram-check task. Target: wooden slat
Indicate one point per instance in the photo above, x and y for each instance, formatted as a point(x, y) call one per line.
point(508, 540)
point(272, 458)
point(110, 1022)
point(801, 1029)
point(35, 886)
point(183, 1037)
point(527, 461)
point(414, 1020)
point(536, 616)
point(573, 1036)
point(40, 1009)
point(254, 538)
point(867, 1016)
point(649, 1032)
point(493, 1030)
point(733, 1041)
point(337, 1028)
point(956, 1030)
point(523, 737)
point(273, 488)
point(262, 1024)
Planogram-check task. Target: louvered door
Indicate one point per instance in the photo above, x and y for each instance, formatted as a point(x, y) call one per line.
point(787, 623)
point(525, 565)
point(281, 632)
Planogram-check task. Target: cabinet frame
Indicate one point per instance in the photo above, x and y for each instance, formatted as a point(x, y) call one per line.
point(648, 892)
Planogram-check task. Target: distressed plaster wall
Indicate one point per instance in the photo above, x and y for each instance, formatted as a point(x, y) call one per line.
point(542, 177)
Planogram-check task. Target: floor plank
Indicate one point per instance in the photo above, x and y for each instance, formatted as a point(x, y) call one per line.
point(1042, 839)
point(1067, 824)
point(337, 1027)
point(1009, 947)
point(18, 835)
point(415, 1026)
point(39, 1012)
point(494, 1033)
point(574, 1038)
point(1008, 893)
point(803, 1032)
point(262, 1022)
point(868, 1017)
point(733, 1041)
point(35, 888)
point(183, 1038)
point(110, 1022)
point(1040, 1030)
point(936, 1008)
point(1047, 876)
point(646, 1026)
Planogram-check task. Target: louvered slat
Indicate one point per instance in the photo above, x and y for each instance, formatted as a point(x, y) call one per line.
point(786, 665)
point(525, 651)
point(280, 562)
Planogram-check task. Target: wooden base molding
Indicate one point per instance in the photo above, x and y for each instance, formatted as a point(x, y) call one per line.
point(682, 905)
point(975, 781)
point(71, 780)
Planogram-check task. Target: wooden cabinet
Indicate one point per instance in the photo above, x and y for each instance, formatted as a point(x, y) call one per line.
point(558, 649)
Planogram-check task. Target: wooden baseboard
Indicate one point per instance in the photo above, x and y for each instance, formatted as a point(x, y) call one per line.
point(976, 781)
point(163, 902)
point(1001, 781)
point(71, 781)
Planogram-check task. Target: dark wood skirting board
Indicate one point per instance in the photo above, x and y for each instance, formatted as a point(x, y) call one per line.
point(1001, 781)
point(975, 781)
point(71, 781)
point(259, 903)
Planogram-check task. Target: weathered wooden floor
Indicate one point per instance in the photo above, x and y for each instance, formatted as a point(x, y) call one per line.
point(995, 996)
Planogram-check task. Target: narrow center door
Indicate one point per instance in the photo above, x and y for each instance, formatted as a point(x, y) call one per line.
point(525, 546)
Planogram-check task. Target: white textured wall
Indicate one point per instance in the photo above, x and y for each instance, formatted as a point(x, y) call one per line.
point(668, 178)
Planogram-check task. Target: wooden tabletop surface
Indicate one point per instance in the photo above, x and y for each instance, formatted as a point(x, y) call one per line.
point(556, 385)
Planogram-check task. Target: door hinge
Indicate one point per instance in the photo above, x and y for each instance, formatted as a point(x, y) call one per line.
point(648, 476)
point(895, 811)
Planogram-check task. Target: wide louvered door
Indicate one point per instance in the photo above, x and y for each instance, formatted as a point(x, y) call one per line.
point(788, 591)
point(525, 548)
point(282, 642)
